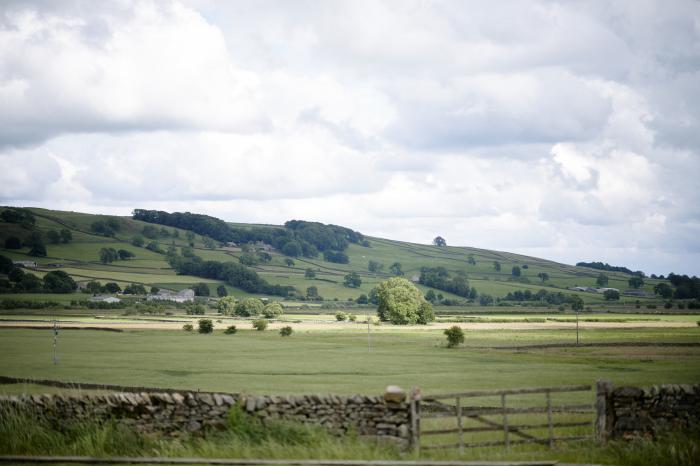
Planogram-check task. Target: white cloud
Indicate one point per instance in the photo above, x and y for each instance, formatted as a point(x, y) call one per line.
point(569, 131)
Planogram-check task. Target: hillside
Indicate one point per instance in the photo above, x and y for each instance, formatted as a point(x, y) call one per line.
point(81, 259)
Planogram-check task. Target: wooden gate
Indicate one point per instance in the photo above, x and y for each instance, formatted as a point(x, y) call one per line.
point(488, 418)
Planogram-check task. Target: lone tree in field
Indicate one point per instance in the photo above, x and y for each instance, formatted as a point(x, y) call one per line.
point(544, 276)
point(663, 290)
point(496, 266)
point(611, 295)
point(515, 271)
point(602, 280)
point(309, 273)
point(401, 303)
point(455, 336)
point(205, 326)
point(221, 291)
point(352, 280)
point(439, 241)
point(286, 331)
point(396, 269)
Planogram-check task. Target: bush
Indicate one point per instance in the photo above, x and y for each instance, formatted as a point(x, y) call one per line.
point(272, 310)
point(231, 330)
point(187, 327)
point(260, 325)
point(340, 316)
point(455, 336)
point(287, 331)
point(205, 326)
point(352, 317)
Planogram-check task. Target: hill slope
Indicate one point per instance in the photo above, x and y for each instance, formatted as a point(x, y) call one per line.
point(80, 258)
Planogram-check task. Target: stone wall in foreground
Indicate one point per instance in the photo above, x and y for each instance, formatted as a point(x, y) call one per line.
point(646, 412)
point(174, 413)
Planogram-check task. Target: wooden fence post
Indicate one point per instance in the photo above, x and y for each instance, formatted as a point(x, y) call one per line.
point(604, 418)
point(415, 419)
point(506, 440)
point(459, 426)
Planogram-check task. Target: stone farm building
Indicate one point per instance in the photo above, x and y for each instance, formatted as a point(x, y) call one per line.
point(105, 299)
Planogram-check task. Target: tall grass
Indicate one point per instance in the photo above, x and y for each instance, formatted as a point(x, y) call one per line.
point(22, 433)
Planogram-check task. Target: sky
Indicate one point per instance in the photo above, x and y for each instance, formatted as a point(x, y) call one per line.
point(563, 130)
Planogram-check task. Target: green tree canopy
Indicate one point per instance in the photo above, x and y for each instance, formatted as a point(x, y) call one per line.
point(636, 282)
point(249, 307)
point(226, 305)
point(602, 280)
point(272, 310)
point(439, 241)
point(59, 281)
point(400, 302)
point(352, 280)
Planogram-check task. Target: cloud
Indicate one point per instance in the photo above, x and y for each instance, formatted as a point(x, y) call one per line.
point(565, 130)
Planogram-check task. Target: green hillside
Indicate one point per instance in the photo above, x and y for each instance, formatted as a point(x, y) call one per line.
point(81, 259)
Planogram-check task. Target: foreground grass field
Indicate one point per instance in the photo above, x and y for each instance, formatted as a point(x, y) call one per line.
point(340, 362)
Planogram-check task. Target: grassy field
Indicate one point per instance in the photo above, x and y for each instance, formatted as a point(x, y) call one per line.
point(80, 258)
point(339, 361)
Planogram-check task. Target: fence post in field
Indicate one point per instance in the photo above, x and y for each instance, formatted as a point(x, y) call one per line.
point(603, 423)
point(459, 425)
point(415, 420)
point(506, 440)
point(549, 418)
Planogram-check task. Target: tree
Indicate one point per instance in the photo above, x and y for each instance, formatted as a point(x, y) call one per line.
point(38, 250)
point(16, 274)
point(138, 241)
point(59, 281)
point(286, 331)
point(201, 289)
point(249, 307)
point(108, 255)
point(497, 266)
point(455, 336)
point(471, 260)
point(125, 254)
point(396, 269)
point(439, 241)
point(187, 327)
point(260, 325)
point(135, 289)
point(312, 293)
point(544, 276)
point(309, 273)
point(30, 283)
point(289, 262)
point(352, 280)
point(155, 290)
point(272, 310)
point(66, 235)
point(400, 302)
point(93, 287)
point(53, 236)
point(6, 264)
point(375, 266)
point(430, 296)
point(221, 291)
point(12, 242)
point(602, 280)
point(341, 316)
point(636, 282)
point(515, 271)
point(362, 299)
point(485, 300)
point(611, 295)
point(663, 290)
point(231, 330)
point(205, 326)
point(292, 248)
point(226, 305)
point(111, 287)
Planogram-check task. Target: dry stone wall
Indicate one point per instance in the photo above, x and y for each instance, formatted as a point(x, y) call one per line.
point(649, 411)
point(177, 413)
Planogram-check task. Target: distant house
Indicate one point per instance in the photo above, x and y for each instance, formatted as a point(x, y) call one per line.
point(260, 245)
point(105, 299)
point(638, 293)
point(585, 289)
point(26, 264)
point(415, 279)
point(183, 296)
point(603, 290)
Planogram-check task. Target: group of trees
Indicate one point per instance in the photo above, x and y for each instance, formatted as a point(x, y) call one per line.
point(439, 278)
point(296, 238)
point(249, 307)
point(685, 287)
point(107, 227)
point(19, 281)
point(57, 237)
point(109, 255)
point(34, 241)
point(541, 296)
point(609, 268)
point(24, 217)
point(236, 275)
point(95, 287)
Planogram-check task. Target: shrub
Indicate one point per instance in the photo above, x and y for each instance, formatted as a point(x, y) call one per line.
point(272, 310)
point(226, 305)
point(340, 316)
point(205, 326)
point(231, 330)
point(187, 327)
point(287, 331)
point(260, 325)
point(455, 336)
point(352, 317)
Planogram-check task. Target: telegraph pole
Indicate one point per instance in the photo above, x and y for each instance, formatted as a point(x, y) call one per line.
point(55, 341)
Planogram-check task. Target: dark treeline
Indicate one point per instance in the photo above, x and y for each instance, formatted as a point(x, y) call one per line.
point(685, 287)
point(541, 296)
point(234, 274)
point(439, 278)
point(296, 238)
point(609, 268)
